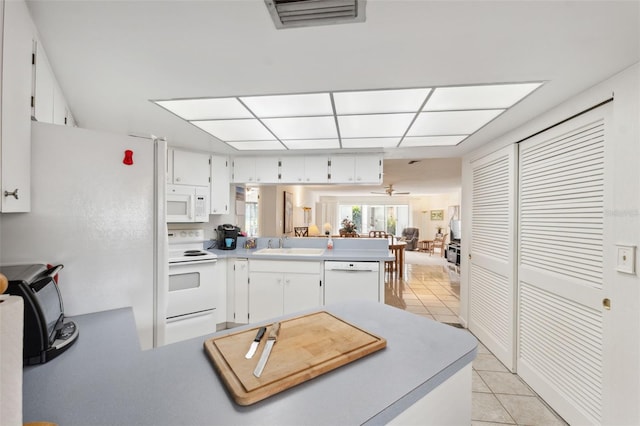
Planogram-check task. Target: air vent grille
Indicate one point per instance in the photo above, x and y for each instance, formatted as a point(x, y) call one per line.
point(305, 13)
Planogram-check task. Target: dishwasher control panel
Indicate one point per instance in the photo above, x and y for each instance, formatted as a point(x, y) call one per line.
point(351, 266)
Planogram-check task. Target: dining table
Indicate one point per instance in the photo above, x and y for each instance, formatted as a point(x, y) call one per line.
point(397, 249)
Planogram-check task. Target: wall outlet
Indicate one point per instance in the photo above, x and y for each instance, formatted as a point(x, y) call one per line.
point(626, 259)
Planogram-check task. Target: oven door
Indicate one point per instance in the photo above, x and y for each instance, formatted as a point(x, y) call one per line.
point(192, 287)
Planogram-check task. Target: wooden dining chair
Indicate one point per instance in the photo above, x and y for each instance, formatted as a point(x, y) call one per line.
point(377, 234)
point(438, 243)
point(301, 231)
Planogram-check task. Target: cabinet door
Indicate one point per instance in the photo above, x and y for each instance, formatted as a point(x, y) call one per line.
point(221, 291)
point(301, 291)
point(368, 169)
point(44, 88)
point(316, 169)
point(220, 188)
point(265, 295)
point(239, 307)
point(244, 169)
point(17, 77)
point(267, 170)
point(60, 110)
point(190, 168)
point(343, 169)
point(292, 169)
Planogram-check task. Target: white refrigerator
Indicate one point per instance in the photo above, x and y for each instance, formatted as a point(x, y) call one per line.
point(104, 220)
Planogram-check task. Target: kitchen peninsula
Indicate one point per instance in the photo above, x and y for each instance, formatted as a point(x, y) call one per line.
point(422, 376)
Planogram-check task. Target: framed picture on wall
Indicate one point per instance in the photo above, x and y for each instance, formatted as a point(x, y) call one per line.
point(288, 212)
point(437, 214)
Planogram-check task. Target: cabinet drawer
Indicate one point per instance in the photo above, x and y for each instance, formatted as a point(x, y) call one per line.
point(301, 267)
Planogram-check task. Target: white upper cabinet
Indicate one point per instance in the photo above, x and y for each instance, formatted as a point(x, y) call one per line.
point(190, 168)
point(50, 105)
point(316, 169)
point(17, 85)
point(220, 185)
point(353, 169)
point(255, 170)
point(304, 169)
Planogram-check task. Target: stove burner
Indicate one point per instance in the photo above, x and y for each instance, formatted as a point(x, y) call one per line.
point(194, 253)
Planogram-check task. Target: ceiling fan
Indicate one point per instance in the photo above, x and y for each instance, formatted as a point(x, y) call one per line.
point(390, 191)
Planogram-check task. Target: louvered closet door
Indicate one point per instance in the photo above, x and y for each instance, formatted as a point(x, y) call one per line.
point(492, 261)
point(560, 273)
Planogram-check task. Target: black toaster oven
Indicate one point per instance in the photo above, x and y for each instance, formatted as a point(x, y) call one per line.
point(47, 333)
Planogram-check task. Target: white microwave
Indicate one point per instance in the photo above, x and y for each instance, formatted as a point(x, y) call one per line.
point(187, 203)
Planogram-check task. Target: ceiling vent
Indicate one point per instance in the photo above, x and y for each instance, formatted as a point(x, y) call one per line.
point(307, 13)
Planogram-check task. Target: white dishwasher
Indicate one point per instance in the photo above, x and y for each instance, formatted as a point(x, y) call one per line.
point(351, 280)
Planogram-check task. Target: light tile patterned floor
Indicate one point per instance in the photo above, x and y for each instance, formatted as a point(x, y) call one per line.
point(499, 397)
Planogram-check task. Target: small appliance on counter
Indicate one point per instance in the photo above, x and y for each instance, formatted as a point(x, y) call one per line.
point(47, 333)
point(227, 236)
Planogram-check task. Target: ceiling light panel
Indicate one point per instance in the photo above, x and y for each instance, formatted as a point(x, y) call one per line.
point(370, 142)
point(302, 127)
point(236, 130)
point(375, 125)
point(451, 122)
point(432, 141)
point(312, 143)
point(379, 101)
point(478, 97)
point(257, 145)
point(206, 109)
point(289, 105)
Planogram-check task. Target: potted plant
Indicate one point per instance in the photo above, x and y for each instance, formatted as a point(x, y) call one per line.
point(348, 226)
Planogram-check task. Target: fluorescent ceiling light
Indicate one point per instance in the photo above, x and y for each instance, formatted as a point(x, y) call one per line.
point(411, 141)
point(206, 109)
point(235, 130)
point(427, 116)
point(312, 143)
point(289, 105)
point(379, 101)
point(370, 143)
point(371, 126)
point(257, 145)
point(302, 127)
point(478, 97)
point(451, 122)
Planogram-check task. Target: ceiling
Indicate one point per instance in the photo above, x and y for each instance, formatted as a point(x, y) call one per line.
point(112, 58)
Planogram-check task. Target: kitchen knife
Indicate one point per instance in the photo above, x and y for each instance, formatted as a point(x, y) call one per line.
point(255, 343)
point(271, 340)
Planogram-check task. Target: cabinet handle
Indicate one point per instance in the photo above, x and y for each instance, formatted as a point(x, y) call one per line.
point(14, 193)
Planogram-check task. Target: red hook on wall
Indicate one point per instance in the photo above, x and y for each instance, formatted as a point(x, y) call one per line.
point(128, 157)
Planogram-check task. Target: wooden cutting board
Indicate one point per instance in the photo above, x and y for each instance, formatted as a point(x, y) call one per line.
point(307, 346)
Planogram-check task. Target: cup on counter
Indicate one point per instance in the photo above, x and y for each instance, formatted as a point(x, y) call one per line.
point(228, 242)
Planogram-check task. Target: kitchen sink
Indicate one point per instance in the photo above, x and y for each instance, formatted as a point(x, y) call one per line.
point(293, 251)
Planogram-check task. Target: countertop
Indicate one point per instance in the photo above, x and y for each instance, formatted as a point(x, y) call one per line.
point(344, 249)
point(105, 379)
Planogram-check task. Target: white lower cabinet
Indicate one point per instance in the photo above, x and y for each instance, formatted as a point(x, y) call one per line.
point(279, 287)
point(238, 292)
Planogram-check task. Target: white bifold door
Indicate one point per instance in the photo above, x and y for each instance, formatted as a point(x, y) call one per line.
point(561, 290)
point(492, 253)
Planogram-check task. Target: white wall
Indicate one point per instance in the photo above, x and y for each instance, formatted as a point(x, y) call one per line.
point(623, 222)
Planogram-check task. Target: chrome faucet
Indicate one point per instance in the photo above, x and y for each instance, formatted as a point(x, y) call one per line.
point(281, 241)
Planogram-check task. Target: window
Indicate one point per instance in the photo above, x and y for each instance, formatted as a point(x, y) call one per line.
point(389, 218)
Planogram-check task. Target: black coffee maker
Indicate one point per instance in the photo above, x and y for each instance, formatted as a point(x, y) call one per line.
point(227, 237)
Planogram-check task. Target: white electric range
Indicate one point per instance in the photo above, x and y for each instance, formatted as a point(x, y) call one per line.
point(191, 300)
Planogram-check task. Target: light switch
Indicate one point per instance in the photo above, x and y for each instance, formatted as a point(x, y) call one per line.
point(626, 259)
